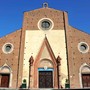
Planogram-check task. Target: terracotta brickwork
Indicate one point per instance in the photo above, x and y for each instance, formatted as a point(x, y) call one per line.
point(31, 18)
point(19, 60)
point(11, 59)
point(75, 57)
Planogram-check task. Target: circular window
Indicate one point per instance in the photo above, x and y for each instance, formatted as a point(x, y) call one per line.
point(83, 47)
point(7, 48)
point(45, 24)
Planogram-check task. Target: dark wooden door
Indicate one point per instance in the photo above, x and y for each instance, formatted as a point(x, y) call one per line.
point(86, 80)
point(45, 79)
point(5, 80)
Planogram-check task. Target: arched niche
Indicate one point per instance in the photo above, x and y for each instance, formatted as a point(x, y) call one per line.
point(84, 72)
point(45, 63)
point(6, 71)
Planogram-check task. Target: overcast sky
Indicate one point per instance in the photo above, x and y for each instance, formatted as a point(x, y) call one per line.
point(11, 13)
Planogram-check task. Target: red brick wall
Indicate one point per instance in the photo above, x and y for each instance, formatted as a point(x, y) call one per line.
point(31, 18)
point(12, 58)
point(75, 57)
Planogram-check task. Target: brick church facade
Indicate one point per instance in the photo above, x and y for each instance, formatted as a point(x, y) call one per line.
point(45, 53)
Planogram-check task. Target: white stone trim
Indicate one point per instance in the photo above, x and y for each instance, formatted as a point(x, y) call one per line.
point(47, 19)
point(10, 72)
point(3, 48)
point(80, 72)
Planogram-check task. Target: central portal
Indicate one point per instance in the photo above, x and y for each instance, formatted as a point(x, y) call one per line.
point(45, 79)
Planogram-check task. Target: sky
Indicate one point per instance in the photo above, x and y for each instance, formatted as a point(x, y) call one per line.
point(11, 13)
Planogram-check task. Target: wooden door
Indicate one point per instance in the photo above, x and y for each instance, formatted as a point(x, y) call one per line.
point(86, 80)
point(45, 79)
point(5, 80)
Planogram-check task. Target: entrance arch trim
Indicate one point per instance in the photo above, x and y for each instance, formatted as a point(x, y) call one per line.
point(80, 73)
point(10, 72)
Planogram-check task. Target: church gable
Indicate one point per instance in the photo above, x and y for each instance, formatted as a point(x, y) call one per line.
point(31, 18)
point(78, 44)
point(75, 37)
point(9, 46)
point(9, 53)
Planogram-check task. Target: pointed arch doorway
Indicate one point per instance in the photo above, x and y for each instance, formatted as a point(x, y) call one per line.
point(45, 74)
point(45, 60)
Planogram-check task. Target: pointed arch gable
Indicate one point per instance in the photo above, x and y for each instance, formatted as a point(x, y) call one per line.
point(46, 43)
point(53, 59)
point(41, 63)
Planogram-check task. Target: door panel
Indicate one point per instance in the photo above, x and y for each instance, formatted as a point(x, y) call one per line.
point(86, 80)
point(5, 80)
point(45, 79)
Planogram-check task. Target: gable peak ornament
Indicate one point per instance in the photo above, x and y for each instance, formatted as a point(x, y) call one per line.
point(45, 5)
